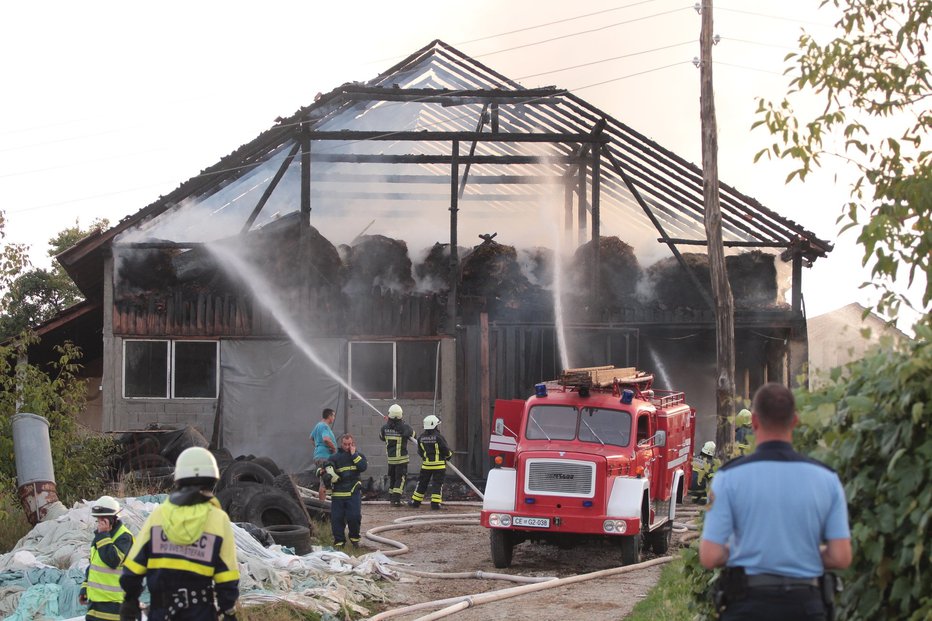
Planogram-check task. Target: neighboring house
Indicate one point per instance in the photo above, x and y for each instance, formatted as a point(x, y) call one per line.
point(334, 261)
point(842, 336)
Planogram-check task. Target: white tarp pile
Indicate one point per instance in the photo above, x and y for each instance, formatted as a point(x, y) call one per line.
point(40, 578)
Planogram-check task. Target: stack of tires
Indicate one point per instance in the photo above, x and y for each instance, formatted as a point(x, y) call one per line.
point(254, 490)
point(147, 458)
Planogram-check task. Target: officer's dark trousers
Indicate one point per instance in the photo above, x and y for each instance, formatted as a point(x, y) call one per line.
point(345, 511)
point(396, 478)
point(777, 604)
point(432, 480)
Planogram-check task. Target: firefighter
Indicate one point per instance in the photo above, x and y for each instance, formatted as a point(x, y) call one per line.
point(101, 591)
point(743, 432)
point(396, 433)
point(346, 495)
point(185, 551)
point(434, 453)
point(701, 472)
point(776, 521)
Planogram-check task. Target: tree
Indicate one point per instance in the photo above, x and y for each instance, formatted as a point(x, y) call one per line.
point(875, 86)
point(36, 295)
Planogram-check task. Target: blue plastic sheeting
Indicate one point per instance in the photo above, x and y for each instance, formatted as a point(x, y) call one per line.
point(48, 593)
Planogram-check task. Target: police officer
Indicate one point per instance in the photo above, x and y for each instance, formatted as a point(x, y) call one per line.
point(101, 591)
point(434, 452)
point(346, 496)
point(777, 519)
point(396, 433)
point(185, 551)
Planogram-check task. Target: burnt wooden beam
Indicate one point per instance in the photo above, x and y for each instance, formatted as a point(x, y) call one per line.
point(271, 187)
point(361, 178)
point(454, 255)
point(378, 93)
point(596, 166)
point(440, 159)
point(472, 150)
point(446, 136)
point(305, 173)
point(732, 244)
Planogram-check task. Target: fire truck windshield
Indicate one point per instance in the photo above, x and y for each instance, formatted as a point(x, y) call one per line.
point(563, 422)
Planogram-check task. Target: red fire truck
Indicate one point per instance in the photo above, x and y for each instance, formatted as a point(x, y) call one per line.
point(596, 453)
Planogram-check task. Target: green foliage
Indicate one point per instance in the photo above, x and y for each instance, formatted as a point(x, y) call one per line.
point(36, 295)
point(57, 394)
point(871, 423)
point(13, 523)
point(874, 85)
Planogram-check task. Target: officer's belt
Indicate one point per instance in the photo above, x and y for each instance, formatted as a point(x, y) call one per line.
point(773, 580)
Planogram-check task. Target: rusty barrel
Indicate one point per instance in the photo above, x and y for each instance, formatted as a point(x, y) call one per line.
point(35, 473)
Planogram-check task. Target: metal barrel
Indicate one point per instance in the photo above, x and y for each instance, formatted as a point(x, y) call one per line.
point(35, 473)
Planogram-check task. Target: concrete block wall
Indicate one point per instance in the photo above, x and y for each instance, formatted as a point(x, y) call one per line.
point(130, 414)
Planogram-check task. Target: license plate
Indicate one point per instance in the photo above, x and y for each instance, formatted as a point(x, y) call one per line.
point(531, 521)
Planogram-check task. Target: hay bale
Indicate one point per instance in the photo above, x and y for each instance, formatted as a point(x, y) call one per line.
point(752, 275)
point(145, 269)
point(378, 261)
point(538, 265)
point(432, 273)
point(619, 270)
point(491, 271)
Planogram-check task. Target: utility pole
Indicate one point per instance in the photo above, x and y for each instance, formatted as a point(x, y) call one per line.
point(721, 290)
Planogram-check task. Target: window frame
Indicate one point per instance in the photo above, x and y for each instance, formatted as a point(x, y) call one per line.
point(396, 393)
point(170, 369)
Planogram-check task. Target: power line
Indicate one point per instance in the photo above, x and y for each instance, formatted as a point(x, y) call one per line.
point(604, 60)
point(779, 17)
point(630, 75)
point(718, 62)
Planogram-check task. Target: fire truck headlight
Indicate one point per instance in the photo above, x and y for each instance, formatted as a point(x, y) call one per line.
point(500, 520)
point(493, 520)
point(505, 519)
point(614, 526)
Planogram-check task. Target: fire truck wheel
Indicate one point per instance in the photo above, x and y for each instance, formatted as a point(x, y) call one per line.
point(659, 539)
point(503, 546)
point(630, 549)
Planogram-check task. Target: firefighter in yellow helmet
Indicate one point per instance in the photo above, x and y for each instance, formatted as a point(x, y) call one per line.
point(434, 453)
point(185, 551)
point(701, 467)
point(395, 433)
point(101, 591)
point(743, 431)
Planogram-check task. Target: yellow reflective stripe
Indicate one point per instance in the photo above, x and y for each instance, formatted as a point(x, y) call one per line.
point(182, 565)
point(357, 459)
point(227, 576)
point(107, 616)
point(104, 541)
point(430, 466)
point(104, 587)
point(398, 460)
point(134, 567)
point(345, 468)
point(103, 569)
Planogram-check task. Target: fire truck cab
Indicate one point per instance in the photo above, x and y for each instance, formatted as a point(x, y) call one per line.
point(596, 453)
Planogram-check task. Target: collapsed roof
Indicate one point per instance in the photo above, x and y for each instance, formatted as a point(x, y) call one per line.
point(437, 137)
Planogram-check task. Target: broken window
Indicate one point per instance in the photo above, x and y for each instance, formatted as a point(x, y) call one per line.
point(394, 369)
point(170, 369)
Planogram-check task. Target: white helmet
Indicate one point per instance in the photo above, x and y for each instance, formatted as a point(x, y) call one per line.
point(105, 506)
point(708, 448)
point(431, 422)
point(196, 463)
point(395, 411)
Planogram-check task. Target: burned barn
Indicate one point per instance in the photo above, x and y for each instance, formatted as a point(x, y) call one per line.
point(440, 237)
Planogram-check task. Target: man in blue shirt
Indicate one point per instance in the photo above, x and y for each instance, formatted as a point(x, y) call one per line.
point(325, 445)
point(776, 517)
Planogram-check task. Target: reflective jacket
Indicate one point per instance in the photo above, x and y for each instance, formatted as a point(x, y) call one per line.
point(186, 542)
point(433, 450)
point(108, 550)
point(347, 466)
point(396, 433)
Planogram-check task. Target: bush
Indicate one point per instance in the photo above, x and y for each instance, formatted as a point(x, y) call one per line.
point(57, 394)
point(870, 423)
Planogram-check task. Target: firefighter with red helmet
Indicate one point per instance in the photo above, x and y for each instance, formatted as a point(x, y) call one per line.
point(185, 551)
point(396, 433)
point(434, 452)
point(101, 591)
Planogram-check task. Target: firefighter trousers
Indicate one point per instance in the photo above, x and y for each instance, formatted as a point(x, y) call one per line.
point(346, 513)
point(397, 476)
point(432, 480)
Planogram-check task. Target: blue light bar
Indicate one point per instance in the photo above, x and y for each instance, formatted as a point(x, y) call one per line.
point(530, 501)
point(627, 396)
point(540, 390)
point(587, 503)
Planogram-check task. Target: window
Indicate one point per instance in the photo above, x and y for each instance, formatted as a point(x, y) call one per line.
point(551, 422)
point(393, 369)
point(170, 369)
point(597, 425)
point(605, 426)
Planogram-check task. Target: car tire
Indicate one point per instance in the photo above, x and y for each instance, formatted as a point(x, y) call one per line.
point(293, 536)
point(271, 507)
point(630, 549)
point(244, 472)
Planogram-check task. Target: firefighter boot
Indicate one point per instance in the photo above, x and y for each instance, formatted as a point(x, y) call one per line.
point(435, 506)
point(414, 504)
point(395, 499)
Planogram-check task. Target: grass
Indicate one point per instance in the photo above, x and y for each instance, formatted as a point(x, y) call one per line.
point(13, 523)
point(669, 600)
point(279, 611)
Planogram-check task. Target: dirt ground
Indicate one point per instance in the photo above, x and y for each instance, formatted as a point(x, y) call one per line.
point(459, 548)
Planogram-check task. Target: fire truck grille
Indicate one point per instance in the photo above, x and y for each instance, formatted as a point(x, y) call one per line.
point(560, 477)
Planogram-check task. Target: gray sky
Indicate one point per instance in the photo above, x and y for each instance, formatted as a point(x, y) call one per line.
point(108, 105)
